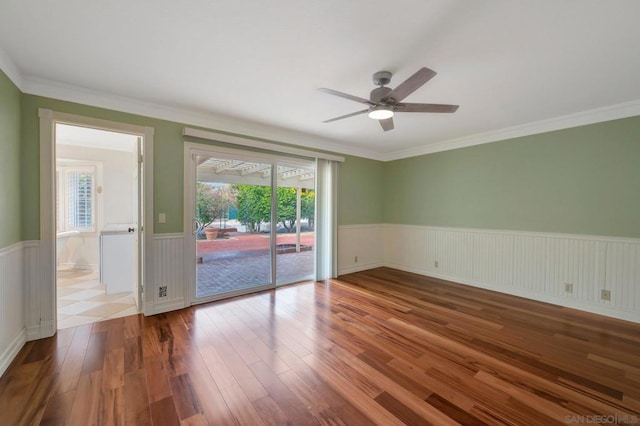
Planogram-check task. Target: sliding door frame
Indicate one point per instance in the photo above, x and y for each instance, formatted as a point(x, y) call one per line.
point(191, 151)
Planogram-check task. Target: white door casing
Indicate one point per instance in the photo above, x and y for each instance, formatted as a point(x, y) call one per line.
point(46, 318)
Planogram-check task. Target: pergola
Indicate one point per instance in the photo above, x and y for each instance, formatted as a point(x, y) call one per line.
point(211, 169)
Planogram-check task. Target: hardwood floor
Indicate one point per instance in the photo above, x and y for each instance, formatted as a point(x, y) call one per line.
point(380, 346)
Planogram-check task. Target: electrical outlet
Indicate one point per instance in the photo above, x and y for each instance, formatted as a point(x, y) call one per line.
point(436, 264)
point(355, 259)
point(568, 287)
point(162, 291)
point(605, 294)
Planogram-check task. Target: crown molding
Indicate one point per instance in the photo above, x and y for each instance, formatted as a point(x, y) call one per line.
point(11, 70)
point(598, 115)
point(85, 96)
point(77, 94)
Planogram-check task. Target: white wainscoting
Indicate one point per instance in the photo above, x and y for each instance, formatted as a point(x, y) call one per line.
point(359, 248)
point(528, 264)
point(168, 265)
point(34, 300)
point(12, 319)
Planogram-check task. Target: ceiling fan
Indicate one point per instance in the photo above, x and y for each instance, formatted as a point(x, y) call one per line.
point(383, 101)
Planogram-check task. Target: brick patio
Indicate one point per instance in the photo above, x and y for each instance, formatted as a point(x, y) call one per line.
point(243, 261)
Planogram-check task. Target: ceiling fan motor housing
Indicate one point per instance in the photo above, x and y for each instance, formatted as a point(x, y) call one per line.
point(381, 78)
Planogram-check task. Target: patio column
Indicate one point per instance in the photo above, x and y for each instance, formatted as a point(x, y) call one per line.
point(298, 208)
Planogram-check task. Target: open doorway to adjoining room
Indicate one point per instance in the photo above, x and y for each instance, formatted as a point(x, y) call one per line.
point(97, 202)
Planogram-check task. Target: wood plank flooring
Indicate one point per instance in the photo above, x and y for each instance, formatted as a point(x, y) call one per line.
point(376, 347)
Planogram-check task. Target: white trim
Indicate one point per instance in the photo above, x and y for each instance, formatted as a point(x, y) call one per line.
point(12, 351)
point(12, 248)
point(77, 94)
point(168, 236)
point(190, 170)
point(11, 70)
point(41, 331)
point(362, 226)
point(148, 217)
point(47, 290)
point(359, 267)
point(255, 143)
point(604, 238)
point(169, 305)
point(583, 118)
point(234, 293)
point(246, 155)
point(85, 96)
point(30, 243)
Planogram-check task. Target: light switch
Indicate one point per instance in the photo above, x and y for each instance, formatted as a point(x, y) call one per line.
point(162, 218)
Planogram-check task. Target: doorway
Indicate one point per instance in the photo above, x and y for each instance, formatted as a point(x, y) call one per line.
point(253, 221)
point(98, 196)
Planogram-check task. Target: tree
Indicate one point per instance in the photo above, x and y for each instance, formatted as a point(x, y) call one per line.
point(308, 206)
point(212, 202)
point(254, 205)
point(287, 207)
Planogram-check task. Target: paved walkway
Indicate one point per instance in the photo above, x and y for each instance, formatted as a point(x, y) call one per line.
point(243, 261)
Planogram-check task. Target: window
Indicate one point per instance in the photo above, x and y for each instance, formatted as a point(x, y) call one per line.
point(75, 198)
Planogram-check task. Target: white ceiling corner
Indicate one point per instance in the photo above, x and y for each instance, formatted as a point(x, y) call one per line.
point(9, 68)
point(515, 68)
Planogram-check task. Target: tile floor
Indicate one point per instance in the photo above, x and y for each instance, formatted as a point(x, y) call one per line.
point(82, 299)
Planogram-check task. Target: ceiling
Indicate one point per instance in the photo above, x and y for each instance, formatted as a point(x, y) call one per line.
point(94, 138)
point(254, 67)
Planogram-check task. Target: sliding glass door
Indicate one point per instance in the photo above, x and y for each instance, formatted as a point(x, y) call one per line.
point(252, 222)
point(295, 237)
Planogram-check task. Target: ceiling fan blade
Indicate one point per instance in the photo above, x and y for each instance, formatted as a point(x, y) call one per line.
point(345, 95)
point(346, 116)
point(387, 124)
point(425, 108)
point(410, 85)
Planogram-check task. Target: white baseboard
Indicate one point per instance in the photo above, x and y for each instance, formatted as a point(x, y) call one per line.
point(44, 330)
point(169, 305)
point(358, 268)
point(12, 350)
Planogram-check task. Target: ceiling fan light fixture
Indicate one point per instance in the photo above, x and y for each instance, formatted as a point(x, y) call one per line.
point(381, 112)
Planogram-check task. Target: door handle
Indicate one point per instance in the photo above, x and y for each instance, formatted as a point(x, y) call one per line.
point(131, 229)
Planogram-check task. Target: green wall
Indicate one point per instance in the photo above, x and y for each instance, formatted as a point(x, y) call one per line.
point(10, 184)
point(362, 177)
point(167, 160)
point(584, 180)
point(360, 197)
